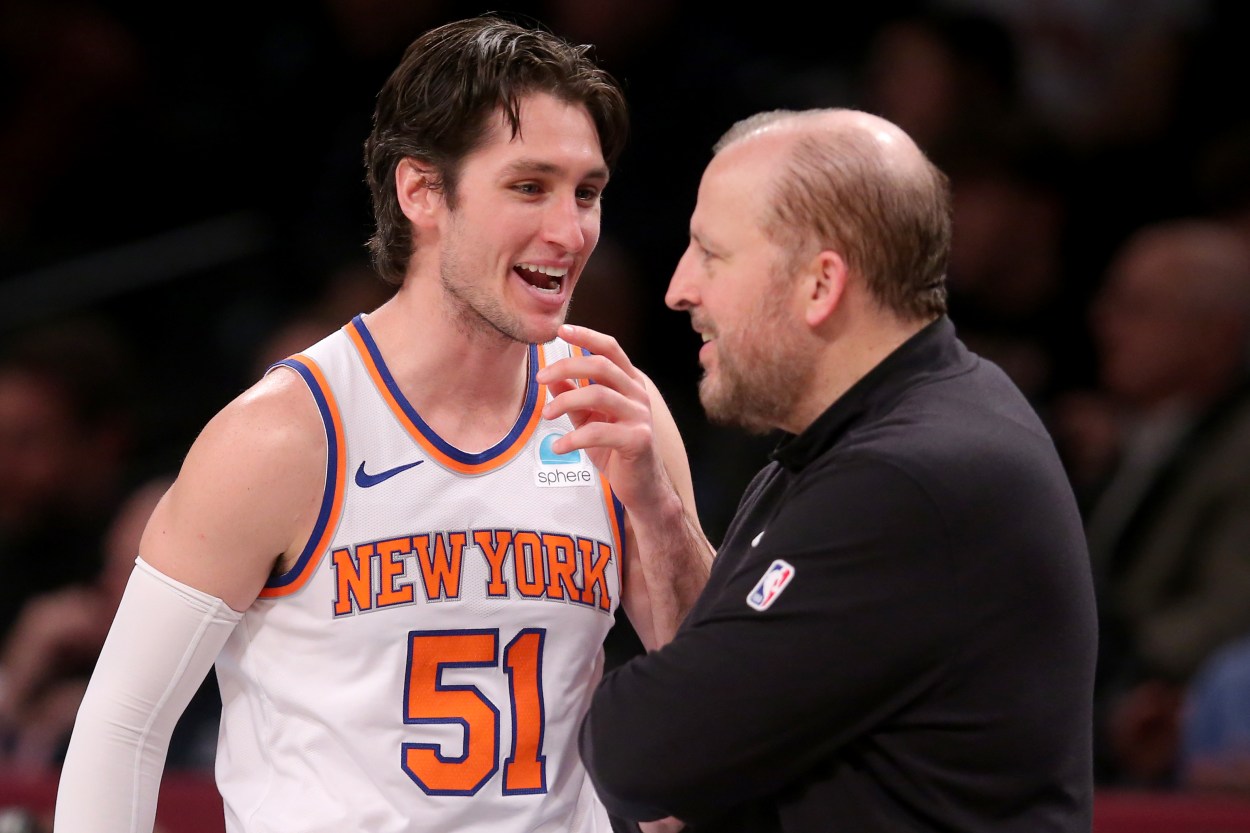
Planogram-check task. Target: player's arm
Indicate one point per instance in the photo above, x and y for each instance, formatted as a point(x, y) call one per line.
point(629, 433)
point(241, 499)
point(668, 556)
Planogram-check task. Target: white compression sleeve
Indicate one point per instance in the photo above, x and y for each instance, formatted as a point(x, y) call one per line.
point(162, 643)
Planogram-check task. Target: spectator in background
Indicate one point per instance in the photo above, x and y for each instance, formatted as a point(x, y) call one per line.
point(48, 656)
point(1222, 176)
point(1007, 277)
point(67, 434)
point(1161, 453)
point(69, 71)
point(952, 79)
point(1102, 73)
point(1215, 724)
point(351, 289)
point(1212, 126)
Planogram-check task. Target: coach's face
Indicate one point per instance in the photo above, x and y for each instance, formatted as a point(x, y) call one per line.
point(733, 280)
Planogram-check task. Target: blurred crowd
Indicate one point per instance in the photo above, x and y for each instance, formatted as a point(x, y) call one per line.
point(183, 202)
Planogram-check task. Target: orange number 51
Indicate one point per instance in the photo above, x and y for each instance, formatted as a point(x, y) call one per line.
point(428, 699)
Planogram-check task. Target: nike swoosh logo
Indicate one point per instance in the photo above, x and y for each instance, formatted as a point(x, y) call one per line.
point(364, 480)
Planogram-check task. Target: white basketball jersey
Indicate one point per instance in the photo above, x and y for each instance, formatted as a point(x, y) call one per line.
point(425, 664)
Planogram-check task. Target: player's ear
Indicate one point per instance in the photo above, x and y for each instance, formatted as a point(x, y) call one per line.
point(824, 282)
point(417, 191)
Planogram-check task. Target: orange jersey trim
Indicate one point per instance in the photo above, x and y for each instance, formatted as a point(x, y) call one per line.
point(335, 486)
point(439, 449)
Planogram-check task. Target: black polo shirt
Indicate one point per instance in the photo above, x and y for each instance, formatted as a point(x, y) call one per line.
point(898, 633)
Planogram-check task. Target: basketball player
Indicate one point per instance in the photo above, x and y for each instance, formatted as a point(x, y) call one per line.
point(402, 569)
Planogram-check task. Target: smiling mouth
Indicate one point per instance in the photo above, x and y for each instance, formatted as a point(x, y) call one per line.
point(544, 278)
point(703, 329)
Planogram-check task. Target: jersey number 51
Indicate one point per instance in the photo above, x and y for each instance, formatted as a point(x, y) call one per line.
point(429, 700)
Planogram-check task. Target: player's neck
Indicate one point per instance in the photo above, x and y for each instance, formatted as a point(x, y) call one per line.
point(468, 386)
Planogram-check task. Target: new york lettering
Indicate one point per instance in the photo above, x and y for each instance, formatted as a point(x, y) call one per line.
point(531, 565)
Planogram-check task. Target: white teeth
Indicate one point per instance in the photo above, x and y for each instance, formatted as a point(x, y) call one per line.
point(706, 337)
point(550, 271)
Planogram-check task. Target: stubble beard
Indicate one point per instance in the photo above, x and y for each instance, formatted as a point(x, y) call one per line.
point(762, 371)
point(477, 312)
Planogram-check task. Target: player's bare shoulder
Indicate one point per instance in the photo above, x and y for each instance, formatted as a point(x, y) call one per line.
point(276, 423)
point(247, 492)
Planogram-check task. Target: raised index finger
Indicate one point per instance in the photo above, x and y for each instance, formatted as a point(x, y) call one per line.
point(596, 368)
point(597, 342)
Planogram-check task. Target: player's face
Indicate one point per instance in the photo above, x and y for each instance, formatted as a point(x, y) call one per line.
point(734, 281)
point(526, 220)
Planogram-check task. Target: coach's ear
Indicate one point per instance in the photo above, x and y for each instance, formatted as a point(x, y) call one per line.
point(416, 186)
point(823, 284)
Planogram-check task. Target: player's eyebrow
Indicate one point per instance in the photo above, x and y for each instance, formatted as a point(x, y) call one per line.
point(526, 165)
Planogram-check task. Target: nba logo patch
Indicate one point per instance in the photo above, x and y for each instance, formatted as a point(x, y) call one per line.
point(770, 585)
